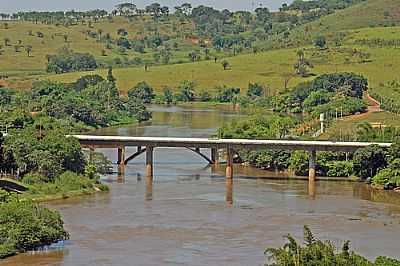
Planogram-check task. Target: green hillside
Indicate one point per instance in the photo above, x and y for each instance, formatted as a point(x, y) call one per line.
point(23, 34)
point(269, 68)
point(372, 13)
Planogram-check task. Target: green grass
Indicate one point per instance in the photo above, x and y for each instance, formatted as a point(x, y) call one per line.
point(371, 13)
point(348, 127)
point(268, 68)
point(13, 62)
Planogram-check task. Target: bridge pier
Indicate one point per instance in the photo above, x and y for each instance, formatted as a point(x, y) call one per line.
point(312, 166)
point(149, 162)
point(121, 160)
point(229, 163)
point(214, 155)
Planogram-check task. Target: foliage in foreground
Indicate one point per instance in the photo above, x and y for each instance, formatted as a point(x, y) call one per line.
point(317, 252)
point(25, 226)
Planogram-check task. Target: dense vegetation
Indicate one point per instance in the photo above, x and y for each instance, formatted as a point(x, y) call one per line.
point(25, 226)
point(372, 164)
point(317, 252)
point(327, 94)
point(91, 101)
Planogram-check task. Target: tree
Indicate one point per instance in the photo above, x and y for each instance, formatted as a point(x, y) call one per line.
point(320, 42)
point(86, 81)
point(302, 66)
point(185, 9)
point(227, 94)
point(255, 90)
point(100, 33)
point(194, 56)
point(110, 76)
point(122, 32)
point(136, 108)
point(126, 9)
point(7, 41)
point(168, 95)
point(66, 61)
point(154, 10)
point(142, 91)
point(186, 91)
point(65, 36)
point(368, 161)
point(317, 252)
point(225, 64)
point(28, 50)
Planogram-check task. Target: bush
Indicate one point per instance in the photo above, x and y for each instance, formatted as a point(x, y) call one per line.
point(340, 169)
point(389, 177)
point(318, 253)
point(368, 161)
point(70, 181)
point(25, 226)
point(34, 178)
point(143, 92)
point(299, 163)
point(68, 61)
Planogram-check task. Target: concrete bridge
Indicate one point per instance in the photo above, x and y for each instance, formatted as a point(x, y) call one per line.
point(148, 144)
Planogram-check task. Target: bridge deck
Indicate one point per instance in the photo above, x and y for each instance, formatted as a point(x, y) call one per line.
point(112, 141)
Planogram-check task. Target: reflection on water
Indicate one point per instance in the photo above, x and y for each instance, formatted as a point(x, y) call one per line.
point(311, 188)
point(176, 121)
point(191, 215)
point(229, 191)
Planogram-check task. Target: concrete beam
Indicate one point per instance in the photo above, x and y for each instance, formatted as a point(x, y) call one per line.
point(116, 141)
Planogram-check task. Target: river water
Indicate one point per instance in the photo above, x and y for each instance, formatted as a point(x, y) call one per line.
point(191, 216)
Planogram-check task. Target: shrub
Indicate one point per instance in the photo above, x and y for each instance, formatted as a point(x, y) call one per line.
point(299, 163)
point(26, 226)
point(318, 253)
point(340, 169)
point(368, 161)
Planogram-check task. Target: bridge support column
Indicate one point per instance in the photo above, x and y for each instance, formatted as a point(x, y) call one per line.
point(312, 166)
point(214, 155)
point(121, 160)
point(229, 164)
point(149, 162)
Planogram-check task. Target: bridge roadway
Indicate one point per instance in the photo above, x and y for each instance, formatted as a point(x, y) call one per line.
point(147, 145)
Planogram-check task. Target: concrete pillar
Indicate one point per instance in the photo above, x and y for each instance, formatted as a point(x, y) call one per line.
point(214, 155)
point(121, 156)
point(229, 164)
point(149, 161)
point(149, 188)
point(312, 166)
point(121, 161)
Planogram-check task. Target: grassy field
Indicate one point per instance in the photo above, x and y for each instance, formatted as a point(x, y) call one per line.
point(14, 63)
point(269, 68)
point(348, 126)
point(371, 13)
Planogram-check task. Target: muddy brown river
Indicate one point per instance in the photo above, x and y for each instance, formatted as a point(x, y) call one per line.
point(191, 216)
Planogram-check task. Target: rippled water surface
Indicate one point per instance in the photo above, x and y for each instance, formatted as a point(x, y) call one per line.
point(191, 216)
